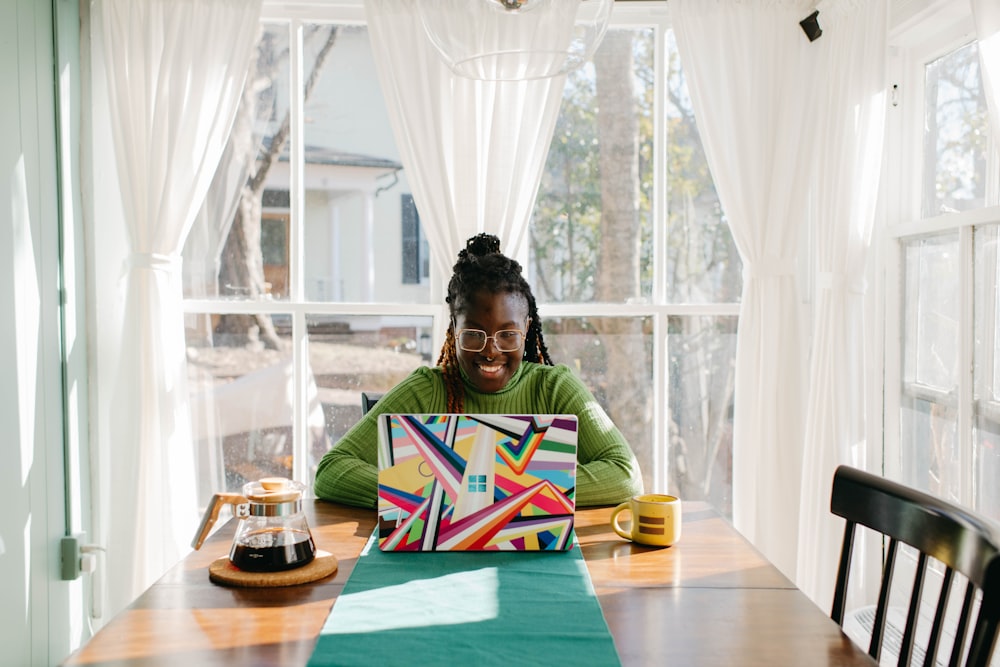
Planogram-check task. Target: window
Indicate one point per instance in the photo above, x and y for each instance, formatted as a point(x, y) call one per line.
point(929, 450)
point(659, 282)
point(416, 252)
point(942, 422)
point(955, 138)
point(330, 287)
point(293, 296)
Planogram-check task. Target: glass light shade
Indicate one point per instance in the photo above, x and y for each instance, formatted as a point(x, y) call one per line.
point(514, 40)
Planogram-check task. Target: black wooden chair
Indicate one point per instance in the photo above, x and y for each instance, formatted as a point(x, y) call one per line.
point(368, 399)
point(961, 540)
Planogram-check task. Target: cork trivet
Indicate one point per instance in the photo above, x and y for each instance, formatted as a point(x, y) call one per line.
point(223, 572)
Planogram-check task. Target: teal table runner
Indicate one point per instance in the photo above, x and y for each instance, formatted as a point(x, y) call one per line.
point(474, 608)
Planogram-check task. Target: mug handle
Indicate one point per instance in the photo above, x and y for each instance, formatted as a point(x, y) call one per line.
point(614, 519)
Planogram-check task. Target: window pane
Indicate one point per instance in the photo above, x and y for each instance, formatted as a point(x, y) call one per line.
point(929, 450)
point(241, 409)
point(350, 355)
point(610, 354)
point(987, 370)
point(955, 134)
point(590, 238)
point(702, 263)
point(242, 395)
point(230, 252)
point(591, 233)
point(988, 464)
point(928, 432)
point(931, 283)
point(702, 367)
point(352, 226)
point(351, 222)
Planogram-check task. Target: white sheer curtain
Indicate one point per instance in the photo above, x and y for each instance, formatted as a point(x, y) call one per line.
point(986, 14)
point(850, 117)
point(749, 69)
point(175, 72)
point(207, 237)
point(473, 150)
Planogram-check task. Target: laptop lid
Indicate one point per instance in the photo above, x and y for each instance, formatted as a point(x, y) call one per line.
point(476, 482)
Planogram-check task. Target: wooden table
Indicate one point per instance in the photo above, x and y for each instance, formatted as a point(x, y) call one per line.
point(711, 599)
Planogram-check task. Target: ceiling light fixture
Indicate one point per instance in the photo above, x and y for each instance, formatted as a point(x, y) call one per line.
point(514, 40)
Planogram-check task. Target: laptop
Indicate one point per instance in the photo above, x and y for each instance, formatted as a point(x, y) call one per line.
point(450, 482)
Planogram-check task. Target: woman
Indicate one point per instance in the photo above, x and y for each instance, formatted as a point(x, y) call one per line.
point(494, 361)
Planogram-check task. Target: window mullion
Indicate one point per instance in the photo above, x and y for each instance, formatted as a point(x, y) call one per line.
point(966, 361)
point(659, 209)
point(296, 194)
point(296, 293)
point(660, 216)
point(661, 403)
point(892, 360)
point(993, 168)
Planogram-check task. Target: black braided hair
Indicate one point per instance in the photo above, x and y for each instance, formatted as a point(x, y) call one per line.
point(481, 267)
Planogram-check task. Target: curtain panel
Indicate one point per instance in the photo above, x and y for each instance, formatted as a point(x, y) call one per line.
point(207, 237)
point(175, 71)
point(748, 66)
point(473, 150)
point(850, 85)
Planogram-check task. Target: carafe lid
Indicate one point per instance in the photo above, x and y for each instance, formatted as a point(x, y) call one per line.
point(273, 490)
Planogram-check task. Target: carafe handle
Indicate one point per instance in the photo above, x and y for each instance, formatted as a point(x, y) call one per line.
point(212, 514)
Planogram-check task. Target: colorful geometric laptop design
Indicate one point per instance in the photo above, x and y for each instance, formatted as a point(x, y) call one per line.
point(476, 482)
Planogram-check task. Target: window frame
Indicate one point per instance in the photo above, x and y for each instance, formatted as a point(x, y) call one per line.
point(922, 33)
point(654, 14)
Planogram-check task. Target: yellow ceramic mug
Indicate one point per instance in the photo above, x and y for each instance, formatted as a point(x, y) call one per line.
point(656, 519)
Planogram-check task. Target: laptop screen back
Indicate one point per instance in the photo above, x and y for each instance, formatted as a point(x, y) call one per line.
point(476, 482)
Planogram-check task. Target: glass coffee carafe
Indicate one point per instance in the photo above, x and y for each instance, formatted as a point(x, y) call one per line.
point(272, 534)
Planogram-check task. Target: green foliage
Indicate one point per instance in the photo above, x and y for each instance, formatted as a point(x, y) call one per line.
point(702, 262)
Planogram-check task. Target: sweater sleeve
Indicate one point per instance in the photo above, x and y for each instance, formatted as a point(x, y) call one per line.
point(348, 473)
point(608, 472)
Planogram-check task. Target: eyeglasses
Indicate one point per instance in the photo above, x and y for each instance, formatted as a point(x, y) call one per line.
point(474, 340)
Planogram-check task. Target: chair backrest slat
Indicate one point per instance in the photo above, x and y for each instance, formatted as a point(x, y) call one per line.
point(882, 609)
point(984, 640)
point(965, 620)
point(963, 624)
point(916, 593)
point(934, 639)
point(843, 571)
point(963, 541)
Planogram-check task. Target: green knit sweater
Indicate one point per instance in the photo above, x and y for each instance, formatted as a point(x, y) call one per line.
point(608, 472)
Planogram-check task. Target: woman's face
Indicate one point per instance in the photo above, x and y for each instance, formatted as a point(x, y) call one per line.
point(490, 369)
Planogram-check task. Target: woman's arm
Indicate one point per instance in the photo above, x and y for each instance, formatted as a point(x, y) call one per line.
point(608, 472)
point(348, 473)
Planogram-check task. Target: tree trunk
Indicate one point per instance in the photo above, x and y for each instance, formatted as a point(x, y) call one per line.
point(617, 281)
point(241, 274)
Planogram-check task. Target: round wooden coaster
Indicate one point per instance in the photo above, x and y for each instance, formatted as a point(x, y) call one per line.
point(223, 572)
